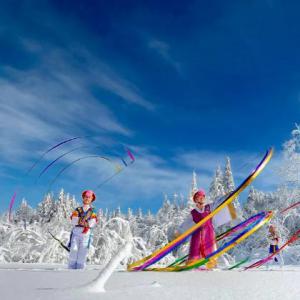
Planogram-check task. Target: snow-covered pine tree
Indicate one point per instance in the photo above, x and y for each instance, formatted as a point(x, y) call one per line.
point(193, 190)
point(24, 213)
point(101, 219)
point(61, 212)
point(216, 189)
point(229, 186)
point(290, 170)
point(249, 206)
point(106, 214)
point(139, 214)
point(149, 219)
point(118, 213)
point(46, 209)
point(182, 202)
point(129, 214)
point(175, 199)
point(131, 218)
point(165, 211)
point(228, 181)
point(70, 204)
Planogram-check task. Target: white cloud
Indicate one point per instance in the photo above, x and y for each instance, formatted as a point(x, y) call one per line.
point(32, 113)
point(164, 51)
point(53, 101)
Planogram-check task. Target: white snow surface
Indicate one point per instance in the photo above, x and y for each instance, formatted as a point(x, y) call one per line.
point(32, 281)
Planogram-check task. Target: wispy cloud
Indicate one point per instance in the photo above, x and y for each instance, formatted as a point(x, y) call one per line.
point(54, 100)
point(164, 51)
point(40, 110)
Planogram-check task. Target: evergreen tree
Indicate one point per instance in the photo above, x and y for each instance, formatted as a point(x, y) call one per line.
point(193, 190)
point(24, 213)
point(229, 186)
point(150, 220)
point(118, 212)
point(216, 189)
point(140, 214)
point(228, 177)
point(61, 206)
point(291, 153)
point(165, 211)
point(129, 214)
point(46, 209)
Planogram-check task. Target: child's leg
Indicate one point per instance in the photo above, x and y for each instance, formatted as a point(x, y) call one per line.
point(83, 250)
point(74, 246)
point(280, 259)
point(209, 246)
point(268, 263)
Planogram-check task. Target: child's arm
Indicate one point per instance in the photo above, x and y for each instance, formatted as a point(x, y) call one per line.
point(93, 220)
point(74, 218)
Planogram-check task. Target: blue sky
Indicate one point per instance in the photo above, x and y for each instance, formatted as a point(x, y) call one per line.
point(183, 83)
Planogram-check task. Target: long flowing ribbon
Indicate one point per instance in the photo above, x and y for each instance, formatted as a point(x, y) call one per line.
point(158, 254)
point(264, 217)
point(261, 262)
point(73, 162)
point(223, 235)
point(52, 148)
point(290, 207)
point(11, 203)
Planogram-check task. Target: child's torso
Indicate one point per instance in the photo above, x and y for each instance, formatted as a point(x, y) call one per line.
point(85, 212)
point(199, 215)
point(274, 239)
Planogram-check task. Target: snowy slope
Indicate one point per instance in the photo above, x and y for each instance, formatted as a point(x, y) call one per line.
point(55, 282)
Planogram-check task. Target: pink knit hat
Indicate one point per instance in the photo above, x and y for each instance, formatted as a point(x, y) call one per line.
point(88, 193)
point(199, 193)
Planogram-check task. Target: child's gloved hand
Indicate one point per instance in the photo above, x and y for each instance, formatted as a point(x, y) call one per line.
point(83, 223)
point(176, 234)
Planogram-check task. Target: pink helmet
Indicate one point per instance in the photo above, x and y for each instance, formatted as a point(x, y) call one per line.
point(200, 192)
point(89, 193)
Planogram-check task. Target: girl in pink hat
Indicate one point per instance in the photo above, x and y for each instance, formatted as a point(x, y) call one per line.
point(83, 219)
point(203, 240)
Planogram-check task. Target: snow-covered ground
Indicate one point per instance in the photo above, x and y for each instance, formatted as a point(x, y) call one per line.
point(25, 281)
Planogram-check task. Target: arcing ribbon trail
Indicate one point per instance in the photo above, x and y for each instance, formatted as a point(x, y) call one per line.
point(240, 231)
point(126, 161)
point(160, 253)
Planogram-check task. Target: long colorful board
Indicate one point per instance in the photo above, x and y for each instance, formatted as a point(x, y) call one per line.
point(160, 253)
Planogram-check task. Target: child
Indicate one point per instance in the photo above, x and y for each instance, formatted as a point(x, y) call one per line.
point(203, 241)
point(273, 238)
point(83, 219)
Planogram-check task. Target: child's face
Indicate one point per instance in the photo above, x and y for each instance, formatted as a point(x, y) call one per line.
point(271, 229)
point(87, 199)
point(200, 200)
